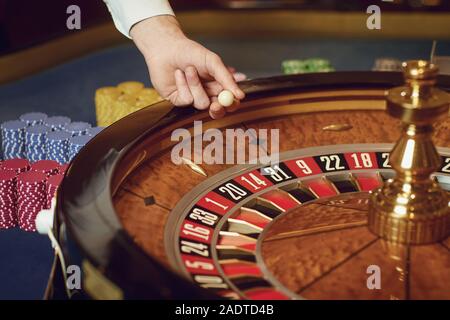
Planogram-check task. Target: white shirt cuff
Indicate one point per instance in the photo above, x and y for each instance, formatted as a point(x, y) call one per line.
point(127, 13)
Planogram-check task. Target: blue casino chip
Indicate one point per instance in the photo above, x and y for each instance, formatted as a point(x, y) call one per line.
point(35, 143)
point(13, 139)
point(95, 131)
point(57, 144)
point(57, 123)
point(77, 128)
point(76, 144)
point(33, 118)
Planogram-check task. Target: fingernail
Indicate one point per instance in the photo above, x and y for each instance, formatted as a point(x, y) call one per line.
point(239, 76)
point(239, 94)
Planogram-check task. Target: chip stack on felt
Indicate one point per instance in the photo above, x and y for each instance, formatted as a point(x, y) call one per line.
point(33, 118)
point(77, 128)
point(9, 170)
point(52, 185)
point(306, 66)
point(76, 144)
point(35, 138)
point(47, 167)
point(104, 101)
point(8, 199)
point(114, 103)
point(94, 131)
point(27, 189)
point(36, 149)
point(13, 139)
point(63, 168)
point(31, 198)
point(57, 123)
point(16, 165)
point(57, 144)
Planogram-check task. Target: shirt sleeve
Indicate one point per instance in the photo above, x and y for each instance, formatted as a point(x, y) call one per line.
point(127, 13)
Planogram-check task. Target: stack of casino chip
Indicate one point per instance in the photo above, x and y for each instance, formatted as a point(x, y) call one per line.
point(33, 118)
point(26, 189)
point(123, 106)
point(387, 64)
point(126, 103)
point(76, 144)
point(16, 165)
point(31, 198)
point(27, 138)
point(57, 123)
point(114, 103)
point(63, 168)
point(57, 144)
point(94, 131)
point(77, 128)
point(130, 87)
point(35, 142)
point(52, 185)
point(146, 97)
point(306, 66)
point(8, 199)
point(47, 167)
point(13, 139)
point(104, 102)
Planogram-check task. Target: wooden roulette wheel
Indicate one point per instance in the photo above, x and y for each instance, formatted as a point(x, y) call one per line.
point(142, 227)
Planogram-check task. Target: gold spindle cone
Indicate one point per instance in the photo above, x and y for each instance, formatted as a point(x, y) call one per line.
point(412, 208)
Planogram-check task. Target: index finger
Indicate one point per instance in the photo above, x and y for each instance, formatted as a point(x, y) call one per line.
point(217, 69)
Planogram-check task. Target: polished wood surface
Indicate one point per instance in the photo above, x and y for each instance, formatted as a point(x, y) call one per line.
point(147, 226)
point(317, 215)
point(146, 197)
point(347, 278)
point(332, 263)
point(426, 262)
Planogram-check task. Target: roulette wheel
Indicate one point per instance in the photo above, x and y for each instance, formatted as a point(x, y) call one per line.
point(141, 226)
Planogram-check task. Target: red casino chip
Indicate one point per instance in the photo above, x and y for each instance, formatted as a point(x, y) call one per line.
point(31, 198)
point(16, 165)
point(52, 186)
point(48, 167)
point(8, 209)
point(63, 168)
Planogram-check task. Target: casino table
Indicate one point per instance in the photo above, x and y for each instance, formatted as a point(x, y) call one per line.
point(144, 225)
point(68, 89)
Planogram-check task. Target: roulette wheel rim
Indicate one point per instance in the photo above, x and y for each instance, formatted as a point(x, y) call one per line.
point(274, 288)
point(85, 195)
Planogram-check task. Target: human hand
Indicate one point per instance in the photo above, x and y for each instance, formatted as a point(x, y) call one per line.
point(183, 71)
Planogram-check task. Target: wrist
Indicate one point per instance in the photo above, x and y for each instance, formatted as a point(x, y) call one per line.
point(149, 33)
